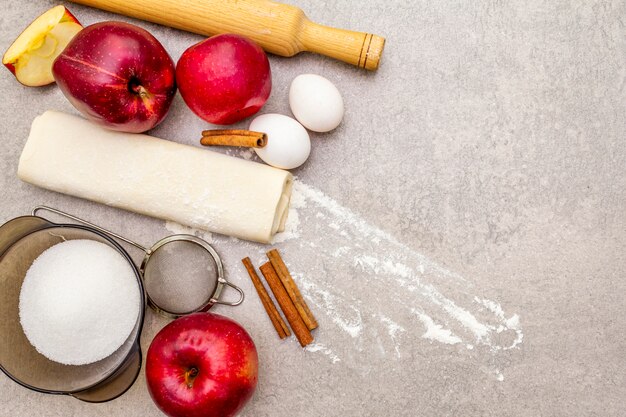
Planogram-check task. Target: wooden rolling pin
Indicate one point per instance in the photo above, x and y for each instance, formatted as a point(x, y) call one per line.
point(278, 28)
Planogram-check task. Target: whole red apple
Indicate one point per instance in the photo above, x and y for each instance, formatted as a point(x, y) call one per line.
point(224, 79)
point(118, 75)
point(202, 365)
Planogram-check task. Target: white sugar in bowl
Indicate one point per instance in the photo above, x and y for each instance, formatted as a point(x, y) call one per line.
point(316, 102)
point(288, 144)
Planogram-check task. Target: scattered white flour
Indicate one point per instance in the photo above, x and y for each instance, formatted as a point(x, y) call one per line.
point(340, 215)
point(292, 226)
point(179, 229)
point(318, 347)
point(409, 280)
point(436, 332)
point(247, 154)
point(512, 323)
point(333, 303)
point(341, 251)
point(406, 288)
point(393, 330)
point(79, 302)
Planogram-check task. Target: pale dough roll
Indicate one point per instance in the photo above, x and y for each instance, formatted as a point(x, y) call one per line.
point(159, 178)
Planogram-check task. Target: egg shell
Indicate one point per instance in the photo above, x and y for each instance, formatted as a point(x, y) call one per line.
point(288, 143)
point(316, 102)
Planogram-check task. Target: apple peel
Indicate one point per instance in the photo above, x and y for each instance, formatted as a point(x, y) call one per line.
point(32, 54)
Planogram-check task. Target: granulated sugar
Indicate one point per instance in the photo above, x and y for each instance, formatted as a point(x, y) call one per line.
point(79, 302)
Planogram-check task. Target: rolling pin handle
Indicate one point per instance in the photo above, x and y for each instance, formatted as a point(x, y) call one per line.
point(357, 48)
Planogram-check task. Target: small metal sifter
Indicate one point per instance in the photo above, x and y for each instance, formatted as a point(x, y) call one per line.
point(181, 273)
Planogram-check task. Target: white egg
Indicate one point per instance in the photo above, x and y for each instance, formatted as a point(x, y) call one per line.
point(316, 102)
point(288, 143)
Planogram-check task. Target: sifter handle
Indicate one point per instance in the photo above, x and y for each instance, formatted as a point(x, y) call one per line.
point(278, 28)
point(232, 303)
point(86, 223)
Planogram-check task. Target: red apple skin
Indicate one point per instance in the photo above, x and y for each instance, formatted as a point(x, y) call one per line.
point(202, 365)
point(69, 16)
point(10, 67)
point(117, 75)
point(224, 79)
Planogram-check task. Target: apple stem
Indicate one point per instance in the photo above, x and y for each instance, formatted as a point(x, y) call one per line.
point(135, 86)
point(190, 376)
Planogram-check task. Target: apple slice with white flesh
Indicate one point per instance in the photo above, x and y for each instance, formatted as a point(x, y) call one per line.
point(30, 57)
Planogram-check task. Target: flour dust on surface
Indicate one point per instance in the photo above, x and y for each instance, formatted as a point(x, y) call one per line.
point(411, 298)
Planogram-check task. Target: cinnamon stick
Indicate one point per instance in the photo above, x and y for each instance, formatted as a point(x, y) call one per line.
point(293, 317)
point(292, 289)
point(233, 137)
point(278, 322)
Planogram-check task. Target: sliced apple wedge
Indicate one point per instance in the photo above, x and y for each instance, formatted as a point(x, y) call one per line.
point(30, 57)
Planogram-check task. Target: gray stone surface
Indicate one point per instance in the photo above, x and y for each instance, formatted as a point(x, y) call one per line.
point(477, 184)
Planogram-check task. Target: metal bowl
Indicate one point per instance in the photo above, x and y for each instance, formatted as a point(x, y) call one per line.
point(22, 240)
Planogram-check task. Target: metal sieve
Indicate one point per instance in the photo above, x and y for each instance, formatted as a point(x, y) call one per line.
point(181, 273)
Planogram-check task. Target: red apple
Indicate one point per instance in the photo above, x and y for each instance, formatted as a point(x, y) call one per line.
point(118, 75)
point(202, 365)
point(224, 79)
point(30, 57)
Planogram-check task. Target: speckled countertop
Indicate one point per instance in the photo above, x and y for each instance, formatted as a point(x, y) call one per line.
point(461, 237)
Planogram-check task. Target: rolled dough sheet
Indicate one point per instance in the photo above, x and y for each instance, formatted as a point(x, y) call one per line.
point(156, 177)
